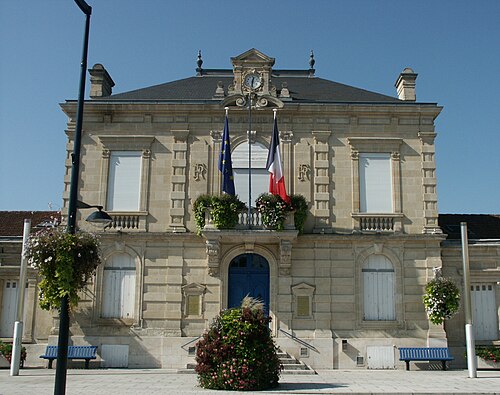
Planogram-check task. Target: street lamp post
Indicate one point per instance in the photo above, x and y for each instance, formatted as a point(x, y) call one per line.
point(62, 350)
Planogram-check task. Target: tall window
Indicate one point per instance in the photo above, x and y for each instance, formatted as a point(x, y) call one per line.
point(260, 175)
point(378, 289)
point(124, 181)
point(118, 288)
point(375, 183)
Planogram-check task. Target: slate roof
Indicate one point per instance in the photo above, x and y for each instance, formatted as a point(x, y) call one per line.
point(303, 89)
point(12, 222)
point(479, 226)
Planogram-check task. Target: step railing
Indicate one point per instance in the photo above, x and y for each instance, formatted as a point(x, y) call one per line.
point(300, 341)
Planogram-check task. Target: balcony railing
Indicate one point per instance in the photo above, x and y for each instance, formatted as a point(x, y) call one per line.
point(129, 221)
point(367, 222)
point(254, 223)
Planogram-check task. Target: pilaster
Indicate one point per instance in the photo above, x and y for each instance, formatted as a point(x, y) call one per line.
point(179, 180)
point(321, 167)
point(429, 186)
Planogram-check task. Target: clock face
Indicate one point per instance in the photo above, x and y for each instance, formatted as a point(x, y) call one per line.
point(253, 81)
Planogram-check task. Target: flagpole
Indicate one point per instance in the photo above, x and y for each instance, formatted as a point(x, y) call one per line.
point(249, 160)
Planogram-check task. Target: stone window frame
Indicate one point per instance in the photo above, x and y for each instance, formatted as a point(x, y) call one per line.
point(361, 257)
point(390, 145)
point(303, 290)
point(194, 290)
point(126, 143)
point(119, 248)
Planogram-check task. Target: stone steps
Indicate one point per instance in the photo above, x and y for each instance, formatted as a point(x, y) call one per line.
point(290, 364)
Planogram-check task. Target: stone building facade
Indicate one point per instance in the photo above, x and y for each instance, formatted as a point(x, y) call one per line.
point(343, 294)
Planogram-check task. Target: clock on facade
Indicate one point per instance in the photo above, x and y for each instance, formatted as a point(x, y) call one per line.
point(253, 81)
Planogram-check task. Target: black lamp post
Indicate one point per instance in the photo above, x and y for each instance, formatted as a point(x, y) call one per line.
point(62, 350)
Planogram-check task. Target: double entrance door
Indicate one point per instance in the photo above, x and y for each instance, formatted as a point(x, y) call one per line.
point(248, 275)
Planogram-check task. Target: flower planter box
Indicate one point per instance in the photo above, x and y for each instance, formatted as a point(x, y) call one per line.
point(4, 362)
point(482, 364)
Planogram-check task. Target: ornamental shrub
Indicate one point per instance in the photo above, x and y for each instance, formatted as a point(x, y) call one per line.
point(237, 352)
point(299, 205)
point(65, 263)
point(441, 299)
point(224, 209)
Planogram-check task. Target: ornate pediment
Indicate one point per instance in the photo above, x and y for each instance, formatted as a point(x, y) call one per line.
point(252, 58)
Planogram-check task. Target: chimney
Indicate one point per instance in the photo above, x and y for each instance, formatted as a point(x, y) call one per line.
point(405, 85)
point(101, 83)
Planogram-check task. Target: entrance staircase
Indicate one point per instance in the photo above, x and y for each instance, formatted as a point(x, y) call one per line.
point(291, 365)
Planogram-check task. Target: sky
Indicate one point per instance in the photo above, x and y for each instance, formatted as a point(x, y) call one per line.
point(453, 45)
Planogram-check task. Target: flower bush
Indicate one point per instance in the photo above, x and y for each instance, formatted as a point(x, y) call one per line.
point(299, 206)
point(273, 210)
point(65, 263)
point(441, 299)
point(224, 210)
point(488, 353)
point(6, 351)
point(237, 352)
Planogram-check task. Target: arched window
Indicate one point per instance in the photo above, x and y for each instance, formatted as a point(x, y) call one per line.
point(378, 289)
point(260, 175)
point(118, 288)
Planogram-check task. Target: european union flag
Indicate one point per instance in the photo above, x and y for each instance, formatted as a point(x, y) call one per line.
point(225, 163)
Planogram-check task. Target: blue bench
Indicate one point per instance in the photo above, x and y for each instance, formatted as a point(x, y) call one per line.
point(74, 352)
point(408, 354)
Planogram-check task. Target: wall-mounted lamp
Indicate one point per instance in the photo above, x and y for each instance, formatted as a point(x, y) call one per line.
point(344, 345)
point(97, 217)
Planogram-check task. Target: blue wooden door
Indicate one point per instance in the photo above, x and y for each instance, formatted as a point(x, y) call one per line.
point(248, 275)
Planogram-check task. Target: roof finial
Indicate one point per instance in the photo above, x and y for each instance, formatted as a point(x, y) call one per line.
point(199, 62)
point(311, 64)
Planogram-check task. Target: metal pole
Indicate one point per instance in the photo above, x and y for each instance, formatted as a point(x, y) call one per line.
point(249, 160)
point(62, 350)
point(469, 328)
point(18, 326)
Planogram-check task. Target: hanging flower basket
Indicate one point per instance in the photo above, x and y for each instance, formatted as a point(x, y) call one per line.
point(65, 262)
point(441, 299)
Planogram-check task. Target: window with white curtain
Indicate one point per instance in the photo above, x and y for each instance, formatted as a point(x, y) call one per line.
point(260, 175)
point(124, 181)
point(375, 183)
point(118, 287)
point(378, 289)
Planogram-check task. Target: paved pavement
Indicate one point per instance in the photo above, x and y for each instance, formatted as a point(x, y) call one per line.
point(159, 381)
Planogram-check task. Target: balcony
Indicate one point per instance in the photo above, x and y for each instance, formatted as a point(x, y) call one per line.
point(128, 221)
point(255, 222)
point(377, 223)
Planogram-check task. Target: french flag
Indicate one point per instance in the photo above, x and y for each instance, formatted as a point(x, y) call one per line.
point(277, 179)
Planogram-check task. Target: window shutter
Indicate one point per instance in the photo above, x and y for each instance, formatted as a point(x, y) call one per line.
point(124, 183)
point(378, 289)
point(119, 287)
point(375, 183)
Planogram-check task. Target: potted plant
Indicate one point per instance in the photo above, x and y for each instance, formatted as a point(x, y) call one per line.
point(224, 210)
point(238, 353)
point(65, 262)
point(273, 210)
point(441, 299)
point(299, 206)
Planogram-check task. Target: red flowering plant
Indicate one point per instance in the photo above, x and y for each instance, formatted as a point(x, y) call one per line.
point(488, 353)
point(237, 352)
